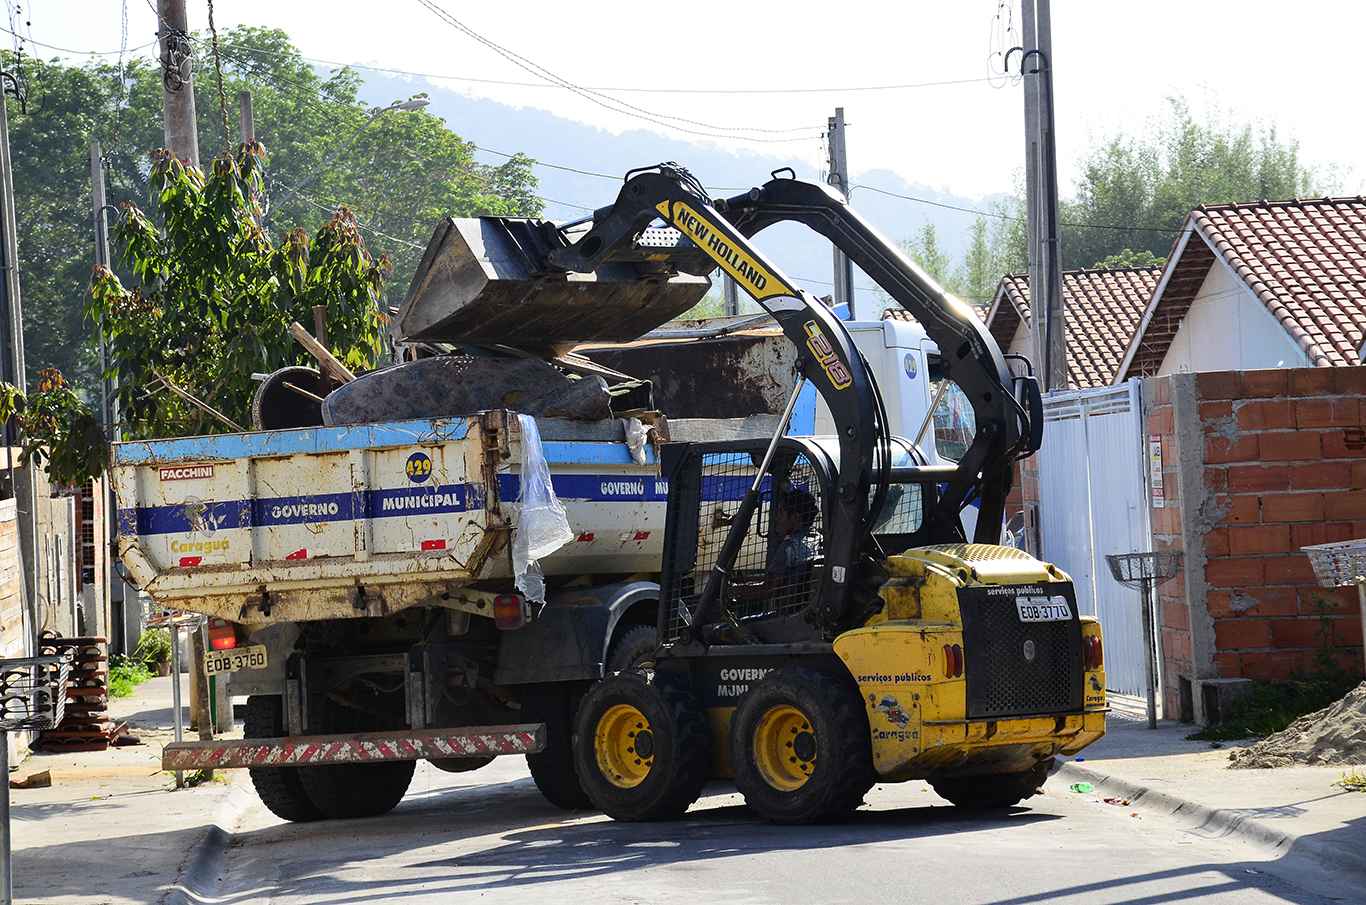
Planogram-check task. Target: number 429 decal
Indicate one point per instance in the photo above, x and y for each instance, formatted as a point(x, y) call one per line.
point(418, 467)
point(824, 352)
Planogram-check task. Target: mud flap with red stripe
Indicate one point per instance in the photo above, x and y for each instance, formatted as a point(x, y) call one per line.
point(355, 748)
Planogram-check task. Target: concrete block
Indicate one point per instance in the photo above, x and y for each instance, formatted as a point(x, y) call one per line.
point(1215, 697)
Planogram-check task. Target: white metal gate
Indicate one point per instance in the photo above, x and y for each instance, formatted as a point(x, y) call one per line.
point(1093, 500)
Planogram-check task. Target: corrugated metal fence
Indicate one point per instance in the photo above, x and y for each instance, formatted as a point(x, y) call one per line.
point(1093, 501)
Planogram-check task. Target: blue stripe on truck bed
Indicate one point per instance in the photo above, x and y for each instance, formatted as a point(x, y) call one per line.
point(420, 432)
point(297, 510)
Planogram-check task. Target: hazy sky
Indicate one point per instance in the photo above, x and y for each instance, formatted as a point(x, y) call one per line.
point(1296, 66)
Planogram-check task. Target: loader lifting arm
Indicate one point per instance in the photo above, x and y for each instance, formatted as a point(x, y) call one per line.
point(1008, 410)
point(1003, 406)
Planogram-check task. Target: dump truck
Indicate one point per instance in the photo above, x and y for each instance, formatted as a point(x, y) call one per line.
point(446, 558)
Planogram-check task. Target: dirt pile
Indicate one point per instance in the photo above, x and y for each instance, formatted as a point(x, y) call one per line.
point(1334, 736)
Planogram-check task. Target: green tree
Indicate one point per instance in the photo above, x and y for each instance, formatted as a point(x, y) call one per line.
point(979, 273)
point(214, 296)
point(1150, 182)
point(924, 250)
point(400, 172)
point(1130, 257)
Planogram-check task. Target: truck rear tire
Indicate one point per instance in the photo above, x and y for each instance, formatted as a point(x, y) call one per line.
point(553, 769)
point(634, 650)
point(642, 749)
point(279, 788)
point(992, 791)
point(343, 791)
point(800, 748)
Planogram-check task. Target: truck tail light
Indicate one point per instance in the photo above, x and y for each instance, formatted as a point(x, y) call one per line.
point(510, 611)
point(953, 661)
point(1095, 652)
point(222, 634)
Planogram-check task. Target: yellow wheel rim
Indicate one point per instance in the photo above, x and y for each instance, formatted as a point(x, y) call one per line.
point(785, 747)
point(625, 746)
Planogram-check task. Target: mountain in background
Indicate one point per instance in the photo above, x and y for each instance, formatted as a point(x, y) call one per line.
point(546, 137)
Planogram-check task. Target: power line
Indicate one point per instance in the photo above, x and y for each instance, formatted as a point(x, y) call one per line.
point(92, 53)
point(1004, 216)
point(614, 105)
point(638, 89)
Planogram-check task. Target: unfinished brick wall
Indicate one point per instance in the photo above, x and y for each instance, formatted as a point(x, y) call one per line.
point(1258, 464)
point(1024, 490)
point(1173, 615)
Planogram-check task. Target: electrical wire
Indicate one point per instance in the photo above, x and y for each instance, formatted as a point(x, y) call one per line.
point(998, 215)
point(323, 206)
point(637, 89)
point(614, 105)
point(92, 53)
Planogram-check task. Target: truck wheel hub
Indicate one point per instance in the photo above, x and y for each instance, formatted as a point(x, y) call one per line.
point(785, 747)
point(624, 746)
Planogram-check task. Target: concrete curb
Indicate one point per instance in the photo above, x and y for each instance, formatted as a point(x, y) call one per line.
point(201, 872)
point(1221, 821)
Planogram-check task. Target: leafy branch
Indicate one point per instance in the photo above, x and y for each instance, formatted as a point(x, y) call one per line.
point(215, 295)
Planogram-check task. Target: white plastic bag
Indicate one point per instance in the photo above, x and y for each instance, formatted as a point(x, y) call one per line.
point(636, 437)
point(542, 526)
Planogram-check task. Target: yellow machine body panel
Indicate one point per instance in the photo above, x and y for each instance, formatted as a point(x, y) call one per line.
point(917, 702)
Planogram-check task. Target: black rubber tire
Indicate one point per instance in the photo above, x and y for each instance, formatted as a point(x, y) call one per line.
point(682, 746)
point(992, 792)
point(843, 771)
point(460, 764)
point(553, 768)
point(279, 788)
point(342, 791)
point(633, 650)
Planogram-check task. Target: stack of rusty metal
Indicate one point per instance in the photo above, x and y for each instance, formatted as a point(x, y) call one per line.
point(85, 725)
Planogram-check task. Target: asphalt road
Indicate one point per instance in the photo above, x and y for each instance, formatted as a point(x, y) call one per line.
point(489, 837)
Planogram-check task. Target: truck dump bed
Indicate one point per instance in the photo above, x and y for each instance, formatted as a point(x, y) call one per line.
point(335, 522)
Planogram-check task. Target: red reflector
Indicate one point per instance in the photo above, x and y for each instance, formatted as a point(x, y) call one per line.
point(222, 634)
point(957, 660)
point(1095, 652)
point(948, 661)
point(641, 535)
point(438, 544)
point(190, 561)
point(585, 538)
point(509, 611)
point(298, 554)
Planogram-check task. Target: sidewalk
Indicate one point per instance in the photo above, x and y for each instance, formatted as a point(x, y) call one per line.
point(113, 827)
point(1296, 810)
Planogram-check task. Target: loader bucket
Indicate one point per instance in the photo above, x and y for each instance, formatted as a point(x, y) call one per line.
point(485, 280)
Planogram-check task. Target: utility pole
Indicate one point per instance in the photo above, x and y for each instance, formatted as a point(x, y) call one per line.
point(182, 140)
point(177, 115)
point(108, 419)
point(1047, 317)
point(839, 179)
point(12, 367)
point(1056, 324)
point(246, 118)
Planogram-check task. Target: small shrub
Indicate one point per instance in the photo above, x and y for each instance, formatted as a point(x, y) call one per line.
point(126, 674)
point(154, 647)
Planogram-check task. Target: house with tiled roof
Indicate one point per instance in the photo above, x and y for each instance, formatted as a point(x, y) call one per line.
point(1103, 305)
point(1267, 284)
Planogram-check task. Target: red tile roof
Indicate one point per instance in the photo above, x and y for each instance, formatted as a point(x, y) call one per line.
point(1103, 311)
point(1305, 260)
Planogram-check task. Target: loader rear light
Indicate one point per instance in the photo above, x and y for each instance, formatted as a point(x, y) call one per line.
point(222, 634)
point(510, 611)
point(1094, 651)
point(953, 661)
